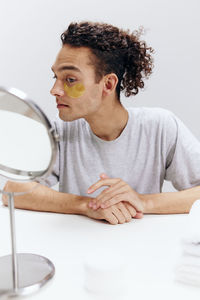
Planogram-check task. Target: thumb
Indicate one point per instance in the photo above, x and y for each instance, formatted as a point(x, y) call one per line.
point(103, 176)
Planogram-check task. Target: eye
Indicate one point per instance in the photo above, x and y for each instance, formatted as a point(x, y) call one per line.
point(71, 80)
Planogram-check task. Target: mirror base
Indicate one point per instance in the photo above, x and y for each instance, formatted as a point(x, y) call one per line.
point(34, 271)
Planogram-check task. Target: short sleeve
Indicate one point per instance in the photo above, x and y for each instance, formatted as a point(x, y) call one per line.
point(53, 178)
point(183, 160)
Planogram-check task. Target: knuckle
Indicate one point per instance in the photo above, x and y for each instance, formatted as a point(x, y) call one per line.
point(119, 205)
point(117, 196)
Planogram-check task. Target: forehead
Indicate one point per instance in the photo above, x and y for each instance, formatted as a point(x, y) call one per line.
point(78, 57)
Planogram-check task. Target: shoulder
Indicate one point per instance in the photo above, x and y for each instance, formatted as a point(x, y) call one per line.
point(150, 114)
point(153, 117)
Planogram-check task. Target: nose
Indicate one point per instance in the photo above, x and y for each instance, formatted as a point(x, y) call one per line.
point(57, 90)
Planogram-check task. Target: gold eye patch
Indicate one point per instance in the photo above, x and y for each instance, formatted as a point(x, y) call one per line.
point(74, 91)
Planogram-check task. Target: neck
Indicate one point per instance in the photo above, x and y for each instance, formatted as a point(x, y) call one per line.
point(109, 121)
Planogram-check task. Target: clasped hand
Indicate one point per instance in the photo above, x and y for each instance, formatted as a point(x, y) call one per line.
point(118, 191)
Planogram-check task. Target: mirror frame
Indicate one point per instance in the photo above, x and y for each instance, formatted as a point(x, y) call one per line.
point(42, 118)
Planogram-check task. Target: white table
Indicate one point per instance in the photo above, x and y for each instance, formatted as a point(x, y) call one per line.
point(151, 247)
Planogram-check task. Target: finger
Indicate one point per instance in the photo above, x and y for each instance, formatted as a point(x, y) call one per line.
point(125, 211)
point(112, 190)
point(103, 214)
point(133, 212)
point(110, 217)
point(131, 209)
point(133, 200)
point(110, 193)
point(103, 176)
point(118, 214)
point(93, 202)
point(102, 182)
point(139, 215)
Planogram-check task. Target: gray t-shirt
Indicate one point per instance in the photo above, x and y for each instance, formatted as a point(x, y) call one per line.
point(154, 146)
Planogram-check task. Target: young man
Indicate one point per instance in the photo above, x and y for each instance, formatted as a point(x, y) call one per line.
point(112, 161)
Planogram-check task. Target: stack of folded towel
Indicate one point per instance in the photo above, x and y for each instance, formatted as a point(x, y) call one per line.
point(188, 270)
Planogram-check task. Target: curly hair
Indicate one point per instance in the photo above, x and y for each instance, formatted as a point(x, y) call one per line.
point(114, 51)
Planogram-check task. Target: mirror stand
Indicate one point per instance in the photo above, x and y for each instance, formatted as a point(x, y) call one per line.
point(24, 125)
point(25, 273)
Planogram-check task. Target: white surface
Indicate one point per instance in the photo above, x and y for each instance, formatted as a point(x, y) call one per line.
point(146, 250)
point(192, 234)
point(189, 267)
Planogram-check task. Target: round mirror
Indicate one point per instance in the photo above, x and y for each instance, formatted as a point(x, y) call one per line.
point(28, 143)
point(27, 152)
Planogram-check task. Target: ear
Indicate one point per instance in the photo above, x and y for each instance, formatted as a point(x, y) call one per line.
point(110, 83)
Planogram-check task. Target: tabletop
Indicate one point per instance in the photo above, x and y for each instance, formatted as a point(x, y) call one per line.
point(144, 252)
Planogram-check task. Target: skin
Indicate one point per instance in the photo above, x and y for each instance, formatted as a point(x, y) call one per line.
point(118, 192)
point(99, 106)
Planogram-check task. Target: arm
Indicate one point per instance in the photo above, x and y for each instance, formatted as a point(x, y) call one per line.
point(44, 198)
point(170, 203)
point(161, 203)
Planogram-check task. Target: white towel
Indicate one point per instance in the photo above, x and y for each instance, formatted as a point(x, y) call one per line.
point(188, 269)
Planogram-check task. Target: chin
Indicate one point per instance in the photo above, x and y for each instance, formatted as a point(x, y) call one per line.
point(68, 117)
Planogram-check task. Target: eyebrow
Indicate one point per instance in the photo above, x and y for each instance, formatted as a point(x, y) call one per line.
point(63, 68)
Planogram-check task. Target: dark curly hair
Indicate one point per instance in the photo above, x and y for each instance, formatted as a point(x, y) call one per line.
point(114, 51)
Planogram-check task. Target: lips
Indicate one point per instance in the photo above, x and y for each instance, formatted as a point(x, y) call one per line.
point(61, 105)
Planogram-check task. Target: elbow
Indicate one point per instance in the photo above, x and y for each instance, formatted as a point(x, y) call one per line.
point(7, 188)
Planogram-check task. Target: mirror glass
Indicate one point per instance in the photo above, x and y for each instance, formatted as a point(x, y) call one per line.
point(27, 146)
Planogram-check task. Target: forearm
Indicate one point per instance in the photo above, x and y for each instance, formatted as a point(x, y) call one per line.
point(170, 203)
point(44, 198)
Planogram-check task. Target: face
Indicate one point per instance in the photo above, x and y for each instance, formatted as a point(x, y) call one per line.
point(77, 94)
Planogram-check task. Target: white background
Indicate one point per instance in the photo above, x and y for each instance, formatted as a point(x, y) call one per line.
point(30, 40)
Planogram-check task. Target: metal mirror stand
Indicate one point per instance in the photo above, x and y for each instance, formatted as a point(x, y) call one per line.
point(24, 273)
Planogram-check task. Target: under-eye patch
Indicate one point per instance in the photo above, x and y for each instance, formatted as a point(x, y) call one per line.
point(74, 91)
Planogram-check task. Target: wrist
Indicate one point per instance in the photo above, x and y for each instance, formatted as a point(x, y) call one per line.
point(69, 203)
point(146, 203)
point(83, 205)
